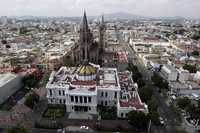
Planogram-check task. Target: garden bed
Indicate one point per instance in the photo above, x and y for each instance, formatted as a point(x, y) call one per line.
point(54, 111)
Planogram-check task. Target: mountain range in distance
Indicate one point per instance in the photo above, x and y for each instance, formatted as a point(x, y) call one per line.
point(110, 16)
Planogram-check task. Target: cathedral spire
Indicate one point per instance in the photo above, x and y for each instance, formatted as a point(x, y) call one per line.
point(84, 22)
point(102, 19)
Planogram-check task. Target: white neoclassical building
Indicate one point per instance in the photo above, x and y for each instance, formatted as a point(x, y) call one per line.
point(82, 88)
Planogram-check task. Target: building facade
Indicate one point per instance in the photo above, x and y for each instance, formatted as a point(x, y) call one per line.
point(85, 87)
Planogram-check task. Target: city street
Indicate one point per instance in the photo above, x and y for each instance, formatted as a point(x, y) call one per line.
point(164, 109)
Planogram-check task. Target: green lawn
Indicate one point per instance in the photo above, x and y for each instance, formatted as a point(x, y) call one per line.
point(54, 111)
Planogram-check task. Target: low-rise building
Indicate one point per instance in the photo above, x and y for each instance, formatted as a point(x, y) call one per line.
point(83, 88)
point(169, 73)
point(9, 84)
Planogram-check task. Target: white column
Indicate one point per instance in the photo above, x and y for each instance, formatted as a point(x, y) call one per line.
point(78, 99)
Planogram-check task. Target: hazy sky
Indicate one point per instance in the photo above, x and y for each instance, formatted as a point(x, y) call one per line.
point(186, 8)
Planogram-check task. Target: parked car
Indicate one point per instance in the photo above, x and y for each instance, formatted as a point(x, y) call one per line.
point(61, 131)
point(162, 122)
point(84, 127)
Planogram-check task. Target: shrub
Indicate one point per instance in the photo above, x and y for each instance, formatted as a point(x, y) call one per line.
point(31, 100)
point(108, 113)
point(48, 124)
point(55, 111)
point(138, 120)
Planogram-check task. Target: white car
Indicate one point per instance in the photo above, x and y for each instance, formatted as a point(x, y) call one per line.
point(60, 131)
point(162, 122)
point(84, 127)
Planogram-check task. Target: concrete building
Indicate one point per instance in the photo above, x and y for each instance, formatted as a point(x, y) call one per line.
point(9, 84)
point(169, 73)
point(82, 88)
point(183, 75)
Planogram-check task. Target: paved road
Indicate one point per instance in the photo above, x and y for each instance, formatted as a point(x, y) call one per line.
point(37, 130)
point(164, 110)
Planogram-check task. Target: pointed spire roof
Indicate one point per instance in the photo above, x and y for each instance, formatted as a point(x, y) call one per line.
point(84, 24)
point(102, 19)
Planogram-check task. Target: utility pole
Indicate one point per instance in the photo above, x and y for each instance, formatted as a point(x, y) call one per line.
point(149, 127)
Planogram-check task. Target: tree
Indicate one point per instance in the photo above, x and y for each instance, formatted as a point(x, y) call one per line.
point(176, 111)
point(195, 53)
point(138, 119)
point(194, 111)
point(23, 30)
point(145, 94)
point(108, 113)
point(183, 103)
point(29, 80)
point(141, 83)
point(68, 61)
point(156, 79)
point(154, 116)
point(31, 100)
point(164, 85)
point(136, 76)
point(153, 110)
point(8, 46)
point(195, 36)
point(3, 41)
point(153, 104)
point(16, 130)
point(190, 68)
point(45, 79)
point(159, 82)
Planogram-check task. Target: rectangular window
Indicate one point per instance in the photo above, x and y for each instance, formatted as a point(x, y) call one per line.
point(85, 99)
point(89, 99)
point(72, 98)
point(50, 92)
point(106, 103)
point(122, 114)
point(116, 95)
point(63, 92)
point(101, 94)
point(60, 101)
point(81, 99)
point(76, 99)
point(106, 94)
point(59, 92)
point(64, 101)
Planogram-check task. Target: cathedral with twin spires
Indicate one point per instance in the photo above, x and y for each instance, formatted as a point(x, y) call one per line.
point(87, 49)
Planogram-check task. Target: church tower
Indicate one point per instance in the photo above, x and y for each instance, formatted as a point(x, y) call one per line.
point(85, 39)
point(102, 29)
point(87, 49)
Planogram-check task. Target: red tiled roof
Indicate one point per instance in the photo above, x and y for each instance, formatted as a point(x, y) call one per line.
point(132, 102)
point(122, 58)
point(3, 70)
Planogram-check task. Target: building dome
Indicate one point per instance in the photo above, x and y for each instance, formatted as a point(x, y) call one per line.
point(86, 72)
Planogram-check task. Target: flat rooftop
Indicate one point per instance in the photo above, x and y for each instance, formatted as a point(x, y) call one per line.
point(5, 78)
